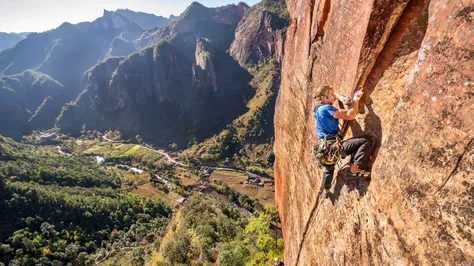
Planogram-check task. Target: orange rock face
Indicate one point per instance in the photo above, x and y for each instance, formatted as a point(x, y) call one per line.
point(416, 59)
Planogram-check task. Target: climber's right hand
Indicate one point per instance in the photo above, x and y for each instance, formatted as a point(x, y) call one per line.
point(358, 95)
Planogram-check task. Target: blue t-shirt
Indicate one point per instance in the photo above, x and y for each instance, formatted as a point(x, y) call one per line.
point(326, 125)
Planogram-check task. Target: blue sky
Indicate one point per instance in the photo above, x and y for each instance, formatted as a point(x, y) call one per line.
point(42, 15)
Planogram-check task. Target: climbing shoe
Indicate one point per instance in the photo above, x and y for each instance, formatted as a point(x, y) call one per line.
point(358, 174)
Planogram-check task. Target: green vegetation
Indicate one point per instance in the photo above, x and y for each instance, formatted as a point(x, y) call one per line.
point(70, 209)
point(58, 170)
point(206, 231)
point(231, 173)
point(22, 162)
point(78, 219)
point(132, 151)
point(277, 7)
point(254, 246)
point(112, 135)
point(56, 208)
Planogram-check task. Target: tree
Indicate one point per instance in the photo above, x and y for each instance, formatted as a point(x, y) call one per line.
point(71, 251)
point(173, 146)
point(83, 130)
point(83, 258)
point(48, 230)
point(272, 211)
point(138, 257)
point(5, 252)
point(176, 251)
point(233, 254)
point(139, 139)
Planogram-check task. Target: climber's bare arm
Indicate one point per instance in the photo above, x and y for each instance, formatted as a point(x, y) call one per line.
point(348, 114)
point(351, 112)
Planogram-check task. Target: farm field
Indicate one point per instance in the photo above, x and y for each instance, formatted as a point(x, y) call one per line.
point(236, 180)
point(149, 191)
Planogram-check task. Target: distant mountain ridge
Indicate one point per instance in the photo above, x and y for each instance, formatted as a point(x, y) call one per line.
point(66, 52)
point(8, 40)
point(183, 87)
point(216, 24)
point(63, 55)
point(144, 20)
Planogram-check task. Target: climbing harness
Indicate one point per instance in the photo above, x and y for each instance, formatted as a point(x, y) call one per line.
point(328, 151)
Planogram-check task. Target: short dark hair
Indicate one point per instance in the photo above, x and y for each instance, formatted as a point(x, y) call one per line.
point(322, 91)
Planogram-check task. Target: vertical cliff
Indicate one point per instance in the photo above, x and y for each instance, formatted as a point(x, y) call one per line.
point(204, 73)
point(416, 60)
point(261, 33)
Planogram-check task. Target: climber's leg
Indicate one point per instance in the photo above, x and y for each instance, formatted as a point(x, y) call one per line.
point(328, 176)
point(361, 149)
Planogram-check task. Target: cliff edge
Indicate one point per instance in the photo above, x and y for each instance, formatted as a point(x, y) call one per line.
point(416, 60)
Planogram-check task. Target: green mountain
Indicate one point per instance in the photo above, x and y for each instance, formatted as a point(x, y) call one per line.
point(171, 92)
point(29, 100)
point(32, 71)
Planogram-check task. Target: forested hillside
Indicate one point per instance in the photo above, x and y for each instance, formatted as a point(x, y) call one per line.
point(74, 208)
point(29, 100)
point(67, 209)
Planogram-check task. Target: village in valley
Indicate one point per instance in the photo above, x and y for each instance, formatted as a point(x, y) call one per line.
point(155, 174)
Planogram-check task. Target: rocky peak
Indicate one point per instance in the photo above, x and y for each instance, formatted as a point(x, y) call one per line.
point(144, 20)
point(204, 74)
point(415, 60)
point(260, 34)
point(217, 24)
point(195, 11)
point(230, 14)
point(114, 20)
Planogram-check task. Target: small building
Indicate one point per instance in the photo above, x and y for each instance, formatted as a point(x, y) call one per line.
point(207, 171)
point(181, 200)
point(253, 179)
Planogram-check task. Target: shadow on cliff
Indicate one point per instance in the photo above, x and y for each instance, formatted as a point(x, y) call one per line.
point(406, 38)
point(373, 125)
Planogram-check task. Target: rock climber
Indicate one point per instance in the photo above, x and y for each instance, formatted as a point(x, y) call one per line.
point(327, 128)
point(278, 262)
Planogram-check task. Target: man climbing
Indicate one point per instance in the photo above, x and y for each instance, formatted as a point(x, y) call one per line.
point(278, 262)
point(327, 128)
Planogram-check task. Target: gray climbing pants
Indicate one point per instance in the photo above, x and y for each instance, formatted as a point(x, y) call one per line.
point(359, 147)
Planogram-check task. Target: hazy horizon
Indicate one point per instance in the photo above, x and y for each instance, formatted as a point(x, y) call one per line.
point(42, 15)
